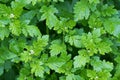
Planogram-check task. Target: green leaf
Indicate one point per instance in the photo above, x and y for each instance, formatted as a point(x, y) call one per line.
point(24, 2)
point(81, 59)
point(73, 77)
point(95, 20)
point(92, 74)
point(108, 10)
point(74, 38)
point(117, 59)
point(82, 41)
point(17, 8)
point(37, 68)
point(4, 10)
point(58, 0)
point(15, 28)
point(44, 57)
point(76, 41)
point(31, 30)
point(66, 68)
point(89, 42)
point(102, 75)
point(81, 10)
point(34, 2)
point(111, 24)
point(40, 44)
point(65, 9)
point(57, 47)
point(24, 71)
point(6, 53)
point(116, 32)
point(55, 62)
point(94, 1)
point(4, 32)
point(5, 1)
point(117, 73)
point(64, 25)
point(25, 56)
point(51, 21)
point(48, 14)
point(104, 47)
point(28, 16)
point(96, 32)
point(99, 65)
point(17, 46)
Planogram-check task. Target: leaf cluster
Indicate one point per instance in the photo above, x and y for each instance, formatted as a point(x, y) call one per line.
point(59, 40)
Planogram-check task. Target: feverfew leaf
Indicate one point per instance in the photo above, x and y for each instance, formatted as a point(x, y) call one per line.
point(111, 24)
point(73, 77)
point(51, 21)
point(100, 65)
point(66, 68)
point(40, 44)
point(108, 10)
point(75, 40)
point(116, 32)
point(28, 16)
point(44, 58)
point(15, 28)
point(4, 10)
point(24, 71)
point(96, 32)
point(17, 6)
point(49, 15)
point(81, 10)
point(24, 2)
point(91, 73)
point(34, 2)
point(57, 47)
point(58, 0)
point(64, 25)
point(81, 59)
point(4, 32)
point(117, 73)
point(6, 53)
point(104, 47)
point(101, 75)
point(70, 24)
point(25, 56)
point(89, 42)
point(94, 1)
point(4, 21)
point(37, 68)
point(95, 20)
point(55, 62)
point(17, 45)
point(31, 30)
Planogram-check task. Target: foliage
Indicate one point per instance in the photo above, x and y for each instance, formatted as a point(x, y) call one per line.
point(59, 39)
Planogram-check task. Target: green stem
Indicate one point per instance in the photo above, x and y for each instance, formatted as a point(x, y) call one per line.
point(47, 30)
